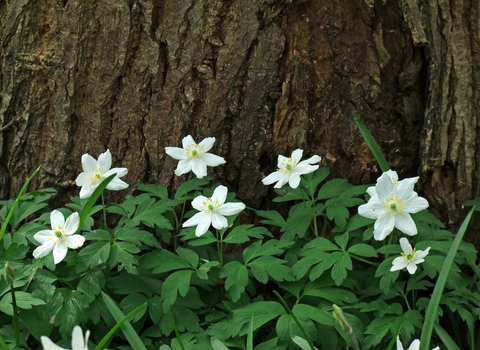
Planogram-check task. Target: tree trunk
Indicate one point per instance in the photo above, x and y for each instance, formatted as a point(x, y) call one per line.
point(264, 77)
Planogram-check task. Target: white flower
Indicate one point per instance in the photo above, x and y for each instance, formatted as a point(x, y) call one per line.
point(212, 211)
point(94, 172)
point(289, 169)
point(414, 346)
point(59, 238)
point(194, 157)
point(78, 341)
point(410, 257)
point(391, 204)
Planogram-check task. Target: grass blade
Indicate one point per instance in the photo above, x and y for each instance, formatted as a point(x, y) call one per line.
point(125, 325)
point(431, 315)
point(372, 144)
point(4, 226)
point(445, 337)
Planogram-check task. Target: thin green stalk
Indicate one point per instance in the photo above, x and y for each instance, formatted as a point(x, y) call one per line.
point(185, 200)
point(315, 228)
point(220, 248)
point(363, 260)
point(176, 331)
point(307, 338)
point(406, 301)
point(372, 144)
point(4, 226)
point(32, 274)
point(104, 213)
point(325, 222)
point(15, 317)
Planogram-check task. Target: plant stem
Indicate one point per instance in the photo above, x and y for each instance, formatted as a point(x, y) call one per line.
point(324, 230)
point(15, 318)
point(363, 260)
point(220, 248)
point(185, 200)
point(104, 213)
point(307, 338)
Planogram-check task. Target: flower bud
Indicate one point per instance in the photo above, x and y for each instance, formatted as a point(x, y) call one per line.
point(344, 324)
point(9, 273)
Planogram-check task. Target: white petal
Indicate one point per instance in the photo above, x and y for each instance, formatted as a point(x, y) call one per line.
point(207, 143)
point(405, 187)
point(49, 345)
point(372, 209)
point(297, 155)
point(88, 163)
point(57, 219)
point(187, 141)
point(303, 169)
point(281, 159)
point(220, 194)
point(398, 264)
point(312, 160)
point(383, 226)
point(78, 342)
point(414, 204)
point(393, 175)
point(294, 180)
point(83, 179)
point(415, 345)
point(421, 254)
point(199, 168)
point(404, 244)
point(197, 219)
point(74, 241)
point(273, 177)
point(283, 180)
point(72, 223)
point(183, 167)
point(43, 236)
point(371, 191)
point(59, 252)
point(231, 208)
point(203, 226)
point(116, 185)
point(119, 171)
point(198, 202)
point(87, 191)
point(411, 268)
point(385, 187)
point(176, 152)
point(212, 160)
point(105, 160)
point(219, 221)
point(399, 344)
point(43, 250)
point(405, 223)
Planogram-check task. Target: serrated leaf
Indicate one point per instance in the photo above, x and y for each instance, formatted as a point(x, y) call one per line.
point(237, 279)
point(269, 266)
point(162, 261)
point(194, 184)
point(339, 270)
point(311, 181)
point(136, 236)
point(364, 250)
point(242, 233)
point(333, 188)
point(273, 216)
point(271, 247)
point(177, 282)
point(24, 301)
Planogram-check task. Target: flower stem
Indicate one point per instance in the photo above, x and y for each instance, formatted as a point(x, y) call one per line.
point(363, 260)
point(15, 317)
point(220, 249)
point(307, 338)
point(185, 200)
point(104, 213)
point(324, 230)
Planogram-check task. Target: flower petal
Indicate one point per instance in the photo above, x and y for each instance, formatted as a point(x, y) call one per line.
point(372, 209)
point(199, 168)
point(203, 226)
point(57, 219)
point(88, 163)
point(49, 345)
point(187, 141)
point(421, 254)
point(74, 241)
point(212, 160)
point(399, 344)
point(281, 159)
point(393, 175)
point(405, 223)
point(197, 219)
point(231, 208)
point(87, 191)
point(385, 187)
point(415, 345)
point(59, 252)
point(119, 171)
point(297, 155)
point(398, 264)
point(183, 167)
point(414, 204)
point(219, 221)
point(405, 187)
point(176, 152)
point(302, 169)
point(83, 179)
point(273, 177)
point(404, 244)
point(43, 250)
point(72, 223)
point(105, 160)
point(198, 202)
point(43, 236)
point(282, 181)
point(294, 180)
point(207, 143)
point(220, 194)
point(78, 341)
point(383, 226)
point(116, 185)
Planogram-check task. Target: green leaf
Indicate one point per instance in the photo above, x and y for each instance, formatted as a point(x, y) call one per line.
point(158, 191)
point(269, 266)
point(136, 236)
point(321, 315)
point(189, 256)
point(94, 253)
point(127, 329)
point(217, 344)
point(193, 184)
point(311, 181)
point(163, 261)
point(364, 250)
point(299, 220)
point(302, 343)
point(339, 270)
point(273, 216)
point(242, 233)
point(237, 279)
point(333, 188)
point(290, 194)
point(328, 262)
point(177, 282)
point(445, 337)
point(24, 301)
point(74, 311)
point(271, 247)
point(372, 144)
point(431, 314)
point(336, 295)
point(262, 311)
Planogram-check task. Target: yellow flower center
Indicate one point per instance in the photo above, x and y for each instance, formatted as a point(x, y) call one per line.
point(58, 234)
point(97, 177)
point(409, 254)
point(287, 165)
point(210, 206)
point(194, 151)
point(393, 205)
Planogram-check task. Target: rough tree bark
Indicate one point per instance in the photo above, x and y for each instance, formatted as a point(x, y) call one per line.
point(262, 76)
